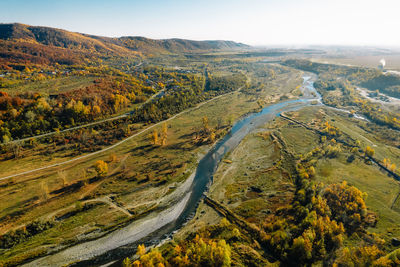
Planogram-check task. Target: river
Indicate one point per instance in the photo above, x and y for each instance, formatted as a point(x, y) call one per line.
point(156, 227)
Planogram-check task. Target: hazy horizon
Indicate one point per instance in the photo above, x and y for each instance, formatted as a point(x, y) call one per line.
point(254, 22)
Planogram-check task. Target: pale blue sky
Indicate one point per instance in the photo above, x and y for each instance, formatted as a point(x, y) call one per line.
point(347, 22)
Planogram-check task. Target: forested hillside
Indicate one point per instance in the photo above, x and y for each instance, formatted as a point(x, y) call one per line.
point(21, 43)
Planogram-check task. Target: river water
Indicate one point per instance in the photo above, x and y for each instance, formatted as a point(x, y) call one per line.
point(150, 231)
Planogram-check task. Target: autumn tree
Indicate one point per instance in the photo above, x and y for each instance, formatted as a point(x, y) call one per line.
point(159, 138)
point(330, 129)
point(386, 162)
point(321, 237)
point(154, 137)
point(101, 167)
point(318, 221)
point(164, 133)
point(141, 250)
point(96, 110)
point(126, 262)
point(369, 151)
point(120, 101)
point(392, 167)
point(347, 205)
point(6, 139)
point(212, 136)
point(367, 255)
point(152, 258)
point(311, 171)
point(206, 133)
point(391, 259)
point(196, 252)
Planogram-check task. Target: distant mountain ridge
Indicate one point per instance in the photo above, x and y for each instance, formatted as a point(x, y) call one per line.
point(37, 43)
point(180, 45)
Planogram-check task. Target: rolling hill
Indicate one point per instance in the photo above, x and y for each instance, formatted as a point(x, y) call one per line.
point(20, 43)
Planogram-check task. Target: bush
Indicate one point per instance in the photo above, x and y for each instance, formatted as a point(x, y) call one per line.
point(13, 238)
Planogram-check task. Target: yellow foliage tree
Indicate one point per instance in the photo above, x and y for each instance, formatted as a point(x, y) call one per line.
point(141, 250)
point(212, 136)
point(369, 151)
point(196, 252)
point(347, 205)
point(393, 167)
point(126, 262)
point(164, 134)
point(101, 167)
point(96, 110)
point(154, 137)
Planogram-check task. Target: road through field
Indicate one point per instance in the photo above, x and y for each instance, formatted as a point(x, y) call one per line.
point(114, 145)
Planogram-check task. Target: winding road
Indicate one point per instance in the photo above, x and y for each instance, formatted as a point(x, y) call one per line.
point(114, 145)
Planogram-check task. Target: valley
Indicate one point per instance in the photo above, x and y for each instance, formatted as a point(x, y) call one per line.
point(138, 152)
